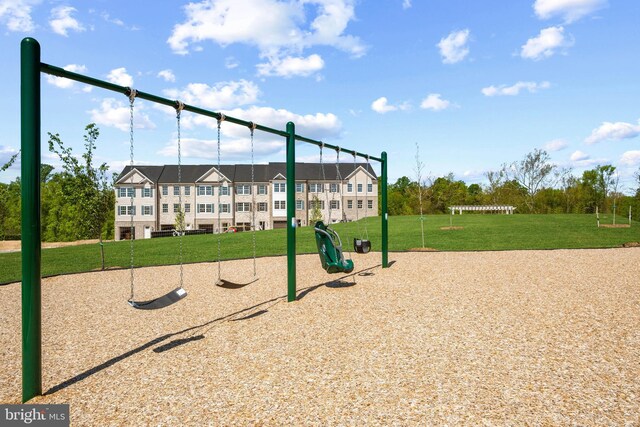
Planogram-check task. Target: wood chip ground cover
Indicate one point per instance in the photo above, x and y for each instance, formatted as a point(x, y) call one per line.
point(480, 338)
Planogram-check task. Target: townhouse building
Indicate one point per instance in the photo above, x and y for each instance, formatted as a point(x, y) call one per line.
point(205, 193)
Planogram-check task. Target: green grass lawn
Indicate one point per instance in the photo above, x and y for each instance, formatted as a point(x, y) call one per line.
point(478, 233)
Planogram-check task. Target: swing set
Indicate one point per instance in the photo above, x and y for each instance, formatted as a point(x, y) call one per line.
point(30, 95)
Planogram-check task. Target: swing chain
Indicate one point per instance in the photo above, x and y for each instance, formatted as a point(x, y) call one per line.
point(252, 127)
point(179, 107)
point(131, 94)
point(220, 120)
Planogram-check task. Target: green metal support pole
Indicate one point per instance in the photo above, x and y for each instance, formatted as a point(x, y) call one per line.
point(291, 212)
point(30, 193)
point(385, 216)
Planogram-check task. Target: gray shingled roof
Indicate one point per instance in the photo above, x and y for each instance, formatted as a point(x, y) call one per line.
point(242, 172)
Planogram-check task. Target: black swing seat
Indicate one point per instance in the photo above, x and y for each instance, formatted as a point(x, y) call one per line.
point(330, 250)
point(361, 246)
point(232, 285)
point(164, 301)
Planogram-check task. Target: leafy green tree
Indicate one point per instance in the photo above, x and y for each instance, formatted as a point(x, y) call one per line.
point(81, 193)
point(316, 212)
point(475, 195)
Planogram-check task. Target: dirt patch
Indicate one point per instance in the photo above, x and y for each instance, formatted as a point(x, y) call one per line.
point(615, 225)
point(423, 250)
point(631, 245)
point(452, 228)
point(14, 245)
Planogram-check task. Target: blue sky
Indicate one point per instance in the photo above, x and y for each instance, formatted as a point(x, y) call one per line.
point(474, 83)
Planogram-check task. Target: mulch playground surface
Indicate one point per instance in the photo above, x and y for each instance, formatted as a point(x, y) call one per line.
point(474, 338)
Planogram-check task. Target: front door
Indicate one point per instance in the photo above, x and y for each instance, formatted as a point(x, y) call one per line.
point(147, 232)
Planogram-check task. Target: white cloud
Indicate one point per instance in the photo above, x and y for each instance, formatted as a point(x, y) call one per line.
point(279, 33)
point(111, 20)
point(230, 62)
point(406, 4)
point(546, 44)
point(630, 158)
point(167, 75)
point(617, 130)
point(515, 89)
point(235, 142)
point(120, 77)
point(16, 14)
point(61, 20)
point(556, 145)
point(569, 10)
point(453, 48)
point(116, 114)
point(291, 66)
point(435, 102)
point(382, 106)
point(223, 95)
point(66, 83)
point(578, 156)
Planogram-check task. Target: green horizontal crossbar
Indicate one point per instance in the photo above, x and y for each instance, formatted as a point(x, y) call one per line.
point(61, 72)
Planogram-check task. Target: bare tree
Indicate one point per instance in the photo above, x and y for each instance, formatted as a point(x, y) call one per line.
point(496, 179)
point(533, 173)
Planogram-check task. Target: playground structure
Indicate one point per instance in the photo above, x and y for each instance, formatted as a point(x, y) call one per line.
point(30, 92)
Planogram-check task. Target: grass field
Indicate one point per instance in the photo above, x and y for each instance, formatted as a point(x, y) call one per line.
point(477, 233)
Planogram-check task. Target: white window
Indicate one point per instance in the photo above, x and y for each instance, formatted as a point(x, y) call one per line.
point(359, 204)
point(262, 189)
point(126, 210)
point(316, 204)
point(243, 189)
point(369, 188)
point(369, 204)
point(334, 204)
point(279, 187)
point(187, 190)
point(262, 206)
point(225, 207)
point(176, 190)
point(126, 192)
point(165, 208)
point(187, 207)
point(349, 188)
point(243, 207)
point(205, 207)
point(333, 188)
point(205, 190)
point(349, 204)
point(299, 205)
point(316, 188)
point(147, 210)
point(224, 190)
point(165, 190)
point(299, 187)
point(279, 204)
point(176, 208)
point(147, 192)
point(359, 188)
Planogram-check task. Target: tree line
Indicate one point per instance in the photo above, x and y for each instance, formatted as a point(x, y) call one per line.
point(533, 185)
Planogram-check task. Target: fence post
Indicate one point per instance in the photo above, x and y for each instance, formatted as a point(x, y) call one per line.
point(30, 195)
